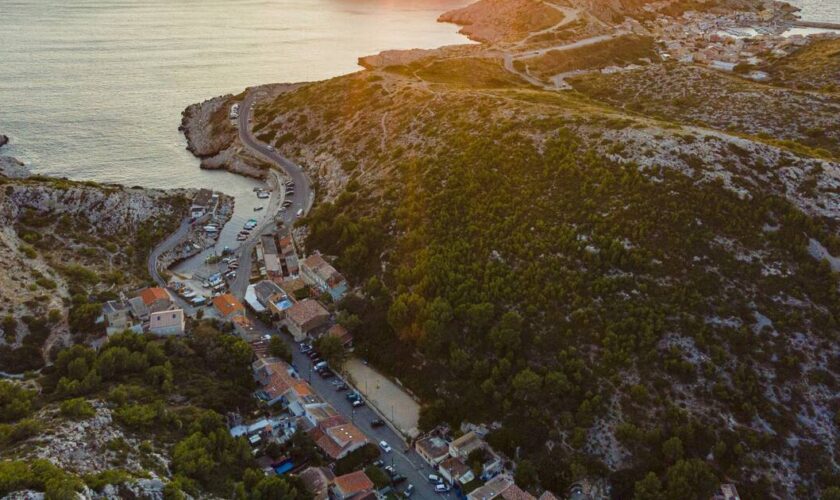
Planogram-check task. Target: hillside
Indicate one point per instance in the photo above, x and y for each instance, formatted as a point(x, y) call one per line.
point(624, 281)
point(66, 247)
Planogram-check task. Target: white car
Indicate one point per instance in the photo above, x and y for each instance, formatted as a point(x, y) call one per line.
point(385, 446)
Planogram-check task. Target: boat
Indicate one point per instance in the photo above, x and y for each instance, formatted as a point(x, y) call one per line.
point(257, 209)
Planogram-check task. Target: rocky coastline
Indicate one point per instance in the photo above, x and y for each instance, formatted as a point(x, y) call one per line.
point(9, 166)
point(212, 136)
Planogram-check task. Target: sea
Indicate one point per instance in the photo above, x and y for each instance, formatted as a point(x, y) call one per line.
point(94, 89)
point(824, 11)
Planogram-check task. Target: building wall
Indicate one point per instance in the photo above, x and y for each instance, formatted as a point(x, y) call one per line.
point(168, 330)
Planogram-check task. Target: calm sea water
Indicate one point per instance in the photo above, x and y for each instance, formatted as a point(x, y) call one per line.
point(94, 89)
point(826, 11)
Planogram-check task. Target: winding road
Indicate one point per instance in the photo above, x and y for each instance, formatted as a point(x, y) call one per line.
point(168, 244)
point(301, 200)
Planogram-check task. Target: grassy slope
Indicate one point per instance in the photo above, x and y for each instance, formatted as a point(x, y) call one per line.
point(532, 280)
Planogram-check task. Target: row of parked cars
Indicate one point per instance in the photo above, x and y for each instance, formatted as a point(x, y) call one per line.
point(356, 400)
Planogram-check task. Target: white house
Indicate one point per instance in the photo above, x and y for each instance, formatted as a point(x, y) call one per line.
point(167, 322)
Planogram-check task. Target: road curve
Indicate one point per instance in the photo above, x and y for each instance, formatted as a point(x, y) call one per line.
point(303, 189)
point(168, 244)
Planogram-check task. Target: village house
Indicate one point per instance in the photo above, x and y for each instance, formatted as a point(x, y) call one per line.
point(275, 378)
point(278, 305)
point(454, 470)
point(433, 449)
point(169, 322)
point(317, 481)
point(227, 306)
point(503, 487)
point(319, 273)
point(341, 334)
point(138, 308)
point(304, 317)
point(118, 317)
point(267, 296)
point(204, 201)
point(155, 299)
point(464, 445)
point(293, 286)
point(336, 437)
point(352, 485)
point(270, 257)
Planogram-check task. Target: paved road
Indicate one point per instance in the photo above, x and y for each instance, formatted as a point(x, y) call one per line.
point(168, 244)
point(301, 200)
point(409, 464)
point(239, 285)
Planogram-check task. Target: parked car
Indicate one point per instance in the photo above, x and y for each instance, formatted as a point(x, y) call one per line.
point(321, 365)
point(441, 488)
point(326, 373)
point(377, 423)
point(397, 479)
point(353, 396)
point(385, 446)
point(391, 470)
point(341, 387)
point(304, 347)
point(378, 463)
point(357, 403)
point(434, 478)
point(312, 354)
point(408, 490)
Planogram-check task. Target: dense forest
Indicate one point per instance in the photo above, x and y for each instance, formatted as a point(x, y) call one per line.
point(647, 326)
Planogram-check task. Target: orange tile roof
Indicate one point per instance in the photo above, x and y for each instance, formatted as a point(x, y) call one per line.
point(227, 304)
point(327, 445)
point(302, 388)
point(340, 333)
point(152, 295)
point(355, 482)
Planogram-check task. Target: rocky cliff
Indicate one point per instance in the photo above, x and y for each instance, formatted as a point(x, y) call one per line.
point(60, 238)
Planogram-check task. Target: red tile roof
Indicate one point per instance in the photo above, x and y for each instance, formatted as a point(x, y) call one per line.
point(353, 483)
point(227, 304)
point(152, 295)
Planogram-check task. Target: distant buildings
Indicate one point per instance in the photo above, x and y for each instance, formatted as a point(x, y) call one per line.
point(318, 273)
point(151, 310)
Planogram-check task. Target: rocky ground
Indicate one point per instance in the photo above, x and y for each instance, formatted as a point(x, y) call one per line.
point(9, 166)
point(56, 233)
point(212, 136)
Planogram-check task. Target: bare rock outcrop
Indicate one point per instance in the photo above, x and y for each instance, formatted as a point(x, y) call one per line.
point(11, 167)
point(500, 21)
